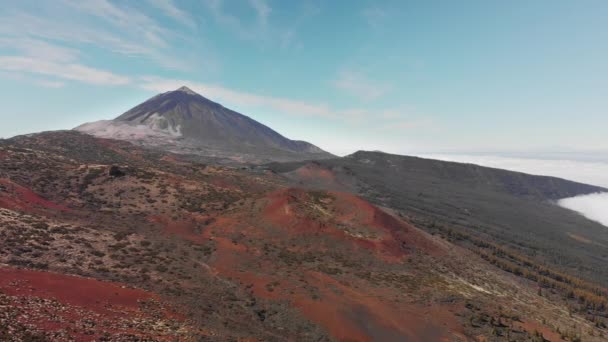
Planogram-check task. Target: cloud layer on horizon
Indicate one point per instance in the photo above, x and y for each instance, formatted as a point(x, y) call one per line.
point(589, 172)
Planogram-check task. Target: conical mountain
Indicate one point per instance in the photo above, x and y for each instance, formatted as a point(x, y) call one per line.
point(186, 122)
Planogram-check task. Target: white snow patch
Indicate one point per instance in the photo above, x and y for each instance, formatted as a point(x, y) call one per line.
point(124, 131)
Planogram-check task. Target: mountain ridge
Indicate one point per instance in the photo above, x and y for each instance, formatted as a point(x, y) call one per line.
point(573, 188)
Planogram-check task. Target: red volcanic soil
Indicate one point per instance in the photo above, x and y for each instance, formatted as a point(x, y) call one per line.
point(317, 176)
point(348, 311)
point(353, 315)
point(101, 297)
point(281, 210)
point(548, 334)
point(385, 234)
point(314, 171)
point(21, 198)
point(184, 228)
point(63, 303)
point(342, 305)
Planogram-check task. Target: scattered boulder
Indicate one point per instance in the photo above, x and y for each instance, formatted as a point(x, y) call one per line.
point(115, 171)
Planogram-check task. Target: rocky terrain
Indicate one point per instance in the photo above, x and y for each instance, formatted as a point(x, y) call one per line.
point(105, 240)
point(515, 210)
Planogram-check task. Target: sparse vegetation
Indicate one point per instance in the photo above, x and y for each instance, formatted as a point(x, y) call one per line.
point(218, 244)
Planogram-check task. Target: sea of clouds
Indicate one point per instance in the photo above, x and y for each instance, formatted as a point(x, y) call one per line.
point(594, 206)
point(595, 172)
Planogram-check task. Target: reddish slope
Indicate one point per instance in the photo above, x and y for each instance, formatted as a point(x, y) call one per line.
point(59, 305)
point(16, 197)
point(98, 296)
point(340, 302)
point(347, 217)
point(283, 248)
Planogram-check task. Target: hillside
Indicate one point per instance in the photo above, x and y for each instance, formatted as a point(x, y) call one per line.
point(216, 253)
point(511, 209)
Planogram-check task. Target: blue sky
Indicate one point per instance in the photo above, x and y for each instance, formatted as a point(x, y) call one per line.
point(399, 76)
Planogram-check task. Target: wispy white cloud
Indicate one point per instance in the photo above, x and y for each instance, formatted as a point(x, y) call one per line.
point(170, 9)
point(287, 36)
point(40, 49)
point(357, 84)
point(593, 206)
point(38, 57)
point(239, 98)
point(254, 31)
point(66, 71)
point(262, 9)
point(49, 84)
point(125, 18)
point(281, 105)
point(22, 25)
point(118, 28)
point(260, 30)
point(31, 79)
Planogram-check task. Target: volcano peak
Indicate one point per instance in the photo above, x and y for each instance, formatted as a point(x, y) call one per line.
point(187, 90)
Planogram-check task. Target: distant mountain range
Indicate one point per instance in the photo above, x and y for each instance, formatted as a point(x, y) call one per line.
point(182, 121)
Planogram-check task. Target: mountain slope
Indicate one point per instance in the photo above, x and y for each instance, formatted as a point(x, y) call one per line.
point(470, 202)
point(220, 253)
point(475, 176)
point(184, 121)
